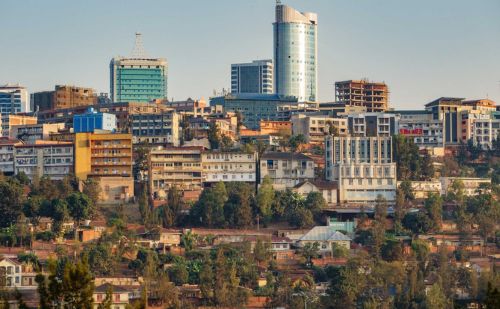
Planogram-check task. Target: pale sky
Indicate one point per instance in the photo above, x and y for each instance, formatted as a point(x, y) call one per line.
point(422, 49)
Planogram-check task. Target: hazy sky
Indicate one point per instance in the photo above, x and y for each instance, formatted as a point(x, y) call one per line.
point(423, 49)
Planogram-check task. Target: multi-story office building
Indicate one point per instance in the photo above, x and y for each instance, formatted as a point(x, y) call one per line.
point(64, 96)
point(362, 167)
point(228, 167)
point(138, 79)
point(7, 155)
point(174, 166)
point(372, 124)
point(257, 107)
point(286, 169)
point(315, 126)
point(372, 95)
point(106, 157)
point(253, 77)
point(44, 158)
point(421, 126)
point(449, 111)
point(156, 129)
point(8, 121)
point(30, 133)
point(13, 99)
point(92, 120)
point(295, 53)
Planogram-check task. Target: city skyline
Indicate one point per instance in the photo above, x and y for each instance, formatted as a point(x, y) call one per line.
point(460, 59)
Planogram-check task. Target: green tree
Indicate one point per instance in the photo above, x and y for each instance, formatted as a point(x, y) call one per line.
point(237, 209)
point(11, 201)
point(315, 202)
point(435, 298)
point(418, 222)
point(434, 206)
point(80, 208)
point(214, 137)
point(207, 281)
point(265, 198)
point(296, 141)
point(492, 299)
point(309, 251)
point(172, 209)
point(209, 210)
point(144, 208)
point(92, 189)
point(339, 251)
point(379, 224)
point(427, 167)
point(141, 153)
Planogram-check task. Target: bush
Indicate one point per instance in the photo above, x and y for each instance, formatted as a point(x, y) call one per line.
point(45, 236)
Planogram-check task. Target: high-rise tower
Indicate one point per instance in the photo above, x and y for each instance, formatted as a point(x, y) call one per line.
point(295, 53)
point(138, 78)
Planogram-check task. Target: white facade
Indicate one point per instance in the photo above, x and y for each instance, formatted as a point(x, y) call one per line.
point(253, 77)
point(372, 124)
point(52, 159)
point(14, 99)
point(13, 272)
point(286, 169)
point(156, 129)
point(422, 127)
point(227, 166)
point(315, 127)
point(485, 131)
point(363, 168)
point(7, 156)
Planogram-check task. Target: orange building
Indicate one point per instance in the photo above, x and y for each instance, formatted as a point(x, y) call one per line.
point(106, 157)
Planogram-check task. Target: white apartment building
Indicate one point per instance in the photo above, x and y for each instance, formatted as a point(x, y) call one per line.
point(485, 130)
point(156, 129)
point(363, 168)
point(422, 127)
point(286, 169)
point(316, 126)
point(44, 158)
point(7, 155)
point(372, 124)
point(228, 166)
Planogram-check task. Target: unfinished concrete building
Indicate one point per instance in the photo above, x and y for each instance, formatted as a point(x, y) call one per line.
point(372, 95)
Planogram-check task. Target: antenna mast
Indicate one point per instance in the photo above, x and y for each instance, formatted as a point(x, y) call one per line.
point(139, 51)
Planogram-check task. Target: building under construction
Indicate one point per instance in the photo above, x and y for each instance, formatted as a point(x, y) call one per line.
point(372, 95)
point(64, 96)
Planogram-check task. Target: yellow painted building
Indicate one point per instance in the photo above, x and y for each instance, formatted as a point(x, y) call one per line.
point(106, 157)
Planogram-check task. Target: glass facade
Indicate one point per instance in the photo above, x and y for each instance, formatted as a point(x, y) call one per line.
point(140, 80)
point(295, 53)
point(13, 99)
point(254, 77)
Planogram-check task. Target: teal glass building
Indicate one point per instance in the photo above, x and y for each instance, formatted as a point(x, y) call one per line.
point(295, 53)
point(138, 79)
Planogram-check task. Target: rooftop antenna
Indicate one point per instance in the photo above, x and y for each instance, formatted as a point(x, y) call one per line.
point(139, 51)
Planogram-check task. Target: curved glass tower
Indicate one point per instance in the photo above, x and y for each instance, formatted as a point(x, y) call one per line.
point(295, 53)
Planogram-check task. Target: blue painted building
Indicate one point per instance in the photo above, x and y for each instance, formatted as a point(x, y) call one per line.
point(92, 120)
